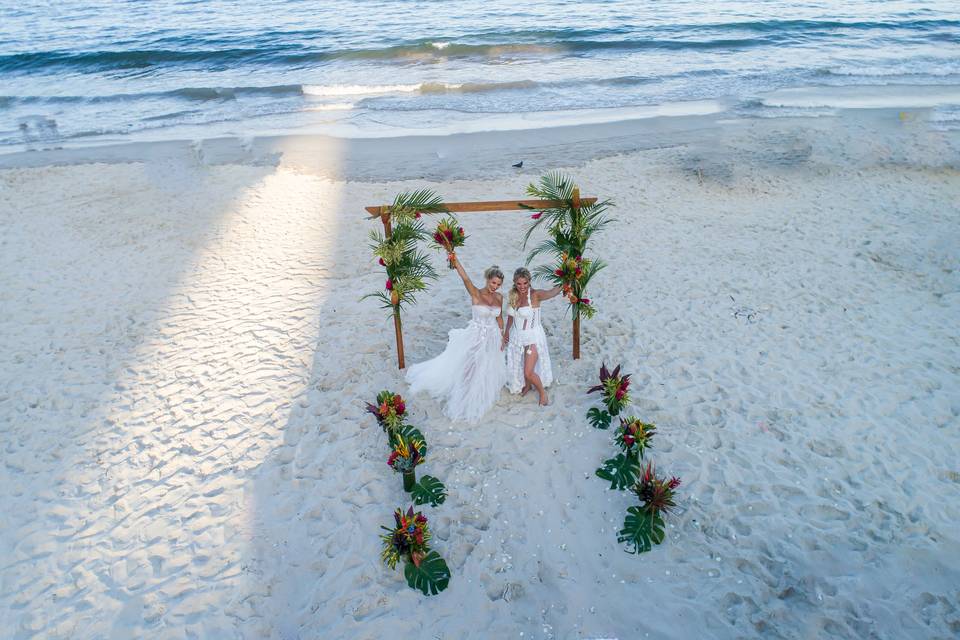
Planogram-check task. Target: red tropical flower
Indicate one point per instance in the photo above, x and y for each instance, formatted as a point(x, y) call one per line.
point(382, 263)
point(585, 300)
point(389, 284)
point(537, 215)
point(392, 458)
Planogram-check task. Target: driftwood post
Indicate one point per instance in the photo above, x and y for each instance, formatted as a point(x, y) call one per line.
point(576, 313)
point(394, 296)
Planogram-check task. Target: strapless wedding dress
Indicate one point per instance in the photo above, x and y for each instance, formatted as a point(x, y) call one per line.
point(527, 330)
point(471, 371)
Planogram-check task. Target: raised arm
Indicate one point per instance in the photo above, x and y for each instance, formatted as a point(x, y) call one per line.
point(471, 289)
point(546, 294)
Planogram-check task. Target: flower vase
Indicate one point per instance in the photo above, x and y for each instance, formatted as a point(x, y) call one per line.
point(409, 479)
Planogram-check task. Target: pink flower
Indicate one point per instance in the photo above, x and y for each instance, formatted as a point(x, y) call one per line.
point(585, 301)
point(620, 393)
point(389, 284)
point(674, 482)
point(417, 215)
point(400, 407)
point(537, 215)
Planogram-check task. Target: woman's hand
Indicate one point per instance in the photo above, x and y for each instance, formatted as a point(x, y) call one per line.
point(505, 339)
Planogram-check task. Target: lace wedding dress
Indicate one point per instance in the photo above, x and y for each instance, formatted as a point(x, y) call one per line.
point(527, 330)
point(470, 372)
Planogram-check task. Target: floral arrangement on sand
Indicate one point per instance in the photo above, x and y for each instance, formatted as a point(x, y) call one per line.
point(643, 526)
point(404, 458)
point(389, 410)
point(449, 236)
point(409, 540)
point(614, 390)
point(633, 437)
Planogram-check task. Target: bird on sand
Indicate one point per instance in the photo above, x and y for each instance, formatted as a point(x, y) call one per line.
point(519, 165)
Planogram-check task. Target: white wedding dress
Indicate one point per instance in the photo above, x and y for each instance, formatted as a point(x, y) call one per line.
point(470, 373)
point(527, 330)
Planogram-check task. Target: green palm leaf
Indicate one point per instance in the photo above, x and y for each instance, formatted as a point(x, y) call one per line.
point(431, 577)
point(429, 490)
point(642, 528)
point(599, 419)
point(621, 471)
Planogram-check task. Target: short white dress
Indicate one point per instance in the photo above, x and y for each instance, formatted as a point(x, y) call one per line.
point(527, 330)
point(470, 373)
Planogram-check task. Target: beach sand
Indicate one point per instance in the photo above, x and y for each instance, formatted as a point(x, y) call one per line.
point(185, 358)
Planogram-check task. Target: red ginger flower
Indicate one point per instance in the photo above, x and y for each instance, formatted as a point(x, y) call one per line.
point(392, 458)
point(537, 215)
point(382, 263)
point(389, 284)
point(585, 300)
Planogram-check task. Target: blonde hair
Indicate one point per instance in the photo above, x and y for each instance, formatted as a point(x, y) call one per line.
point(521, 272)
point(493, 272)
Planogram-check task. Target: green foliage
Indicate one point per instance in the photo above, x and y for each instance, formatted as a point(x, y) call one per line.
point(599, 418)
point(431, 577)
point(408, 433)
point(408, 204)
point(408, 269)
point(569, 230)
point(429, 490)
point(621, 471)
point(642, 528)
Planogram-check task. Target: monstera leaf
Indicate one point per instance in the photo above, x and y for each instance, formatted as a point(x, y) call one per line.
point(409, 433)
point(642, 529)
point(429, 490)
point(622, 471)
point(599, 418)
point(431, 577)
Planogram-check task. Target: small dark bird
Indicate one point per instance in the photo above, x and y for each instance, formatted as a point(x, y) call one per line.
point(519, 165)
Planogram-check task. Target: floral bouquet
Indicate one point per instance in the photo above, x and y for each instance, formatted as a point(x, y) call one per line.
point(614, 389)
point(570, 275)
point(632, 434)
point(448, 236)
point(633, 437)
point(409, 540)
point(643, 526)
point(390, 408)
point(405, 457)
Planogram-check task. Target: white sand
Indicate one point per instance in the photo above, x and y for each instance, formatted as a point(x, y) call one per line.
point(184, 361)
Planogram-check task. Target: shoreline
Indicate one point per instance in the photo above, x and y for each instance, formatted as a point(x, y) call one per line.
point(849, 137)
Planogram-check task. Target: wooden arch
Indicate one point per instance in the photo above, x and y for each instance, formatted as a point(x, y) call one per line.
point(383, 212)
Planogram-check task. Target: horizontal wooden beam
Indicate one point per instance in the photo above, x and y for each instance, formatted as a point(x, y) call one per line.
point(491, 205)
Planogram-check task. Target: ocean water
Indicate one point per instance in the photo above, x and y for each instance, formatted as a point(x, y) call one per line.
point(77, 73)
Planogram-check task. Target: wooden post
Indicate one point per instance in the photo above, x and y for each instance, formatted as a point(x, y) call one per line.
point(576, 314)
point(394, 298)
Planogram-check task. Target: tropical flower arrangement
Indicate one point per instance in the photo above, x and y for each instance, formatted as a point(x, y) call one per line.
point(643, 526)
point(568, 274)
point(389, 410)
point(633, 437)
point(614, 389)
point(407, 269)
point(449, 236)
point(409, 540)
point(405, 457)
point(569, 227)
point(408, 448)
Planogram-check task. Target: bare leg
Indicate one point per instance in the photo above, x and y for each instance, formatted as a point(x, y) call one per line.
point(530, 373)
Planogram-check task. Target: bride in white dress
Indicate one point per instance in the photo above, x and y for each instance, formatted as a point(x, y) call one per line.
point(470, 373)
point(528, 358)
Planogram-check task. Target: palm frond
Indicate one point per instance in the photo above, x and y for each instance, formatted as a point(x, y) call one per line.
point(408, 204)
